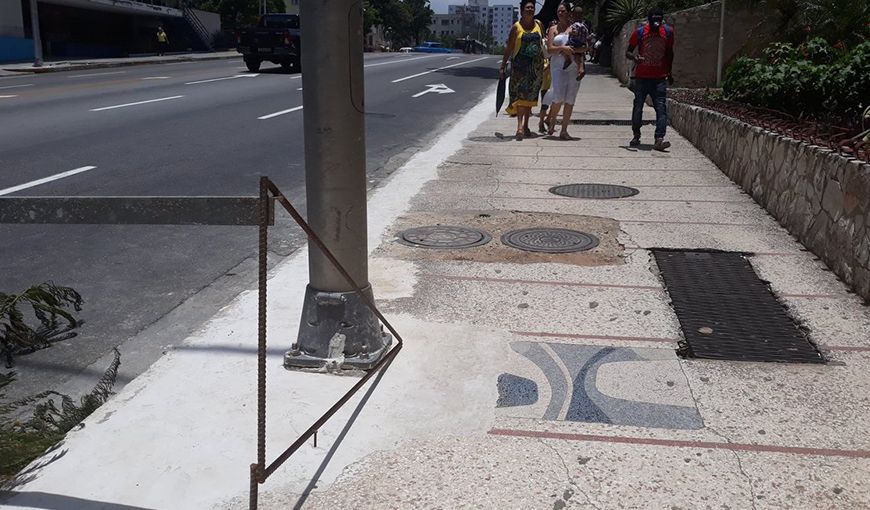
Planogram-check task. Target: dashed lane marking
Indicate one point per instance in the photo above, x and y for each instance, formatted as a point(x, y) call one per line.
point(136, 103)
point(44, 180)
point(282, 112)
point(439, 69)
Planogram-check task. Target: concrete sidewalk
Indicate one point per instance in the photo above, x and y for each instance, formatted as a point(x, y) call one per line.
point(527, 380)
point(98, 63)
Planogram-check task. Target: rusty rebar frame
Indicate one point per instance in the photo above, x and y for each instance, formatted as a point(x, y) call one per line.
point(260, 471)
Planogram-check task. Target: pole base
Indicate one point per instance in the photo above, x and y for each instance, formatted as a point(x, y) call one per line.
point(337, 330)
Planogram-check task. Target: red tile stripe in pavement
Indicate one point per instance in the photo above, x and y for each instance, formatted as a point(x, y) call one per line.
point(593, 285)
point(756, 448)
point(673, 341)
point(550, 184)
point(564, 199)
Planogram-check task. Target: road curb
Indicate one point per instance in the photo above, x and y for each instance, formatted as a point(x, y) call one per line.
point(103, 65)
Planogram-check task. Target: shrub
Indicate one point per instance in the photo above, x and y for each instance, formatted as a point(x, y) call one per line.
point(814, 80)
point(49, 305)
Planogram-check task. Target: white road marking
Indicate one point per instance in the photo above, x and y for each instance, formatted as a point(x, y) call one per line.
point(398, 61)
point(7, 97)
point(156, 78)
point(282, 112)
point(439, 69)
point(37, 182)
point(95, 74)
point(300, 88)
point(134, 104)
point(438, 89)
point(16, 86)
point(452, 58)
point(224, 78)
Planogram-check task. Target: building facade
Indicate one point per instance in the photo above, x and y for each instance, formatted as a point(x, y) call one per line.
point(102, 28)
point(501, 19)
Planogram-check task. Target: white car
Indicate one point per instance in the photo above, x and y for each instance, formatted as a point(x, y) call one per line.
point(406, 49)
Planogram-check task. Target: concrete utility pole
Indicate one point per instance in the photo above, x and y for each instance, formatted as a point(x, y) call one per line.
point(336, 327)
point(37, 40)
point(721, 44)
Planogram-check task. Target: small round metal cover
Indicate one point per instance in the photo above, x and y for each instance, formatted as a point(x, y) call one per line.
point(443, 237)
point(599, 191)
point(549, 240)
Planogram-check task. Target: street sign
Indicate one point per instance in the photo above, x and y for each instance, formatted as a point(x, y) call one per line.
point(438, 89)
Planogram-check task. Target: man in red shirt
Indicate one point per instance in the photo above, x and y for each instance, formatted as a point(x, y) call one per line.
point(652, 74)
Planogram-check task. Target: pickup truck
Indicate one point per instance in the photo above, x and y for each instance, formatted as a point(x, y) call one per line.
point(432, 47)
point(275, 39)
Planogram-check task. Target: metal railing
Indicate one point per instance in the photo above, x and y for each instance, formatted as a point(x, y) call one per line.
point(239, 211)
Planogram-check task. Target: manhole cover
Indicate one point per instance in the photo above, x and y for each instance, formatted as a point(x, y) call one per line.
point(593, 191)
point(549, 240)
point(443, 236)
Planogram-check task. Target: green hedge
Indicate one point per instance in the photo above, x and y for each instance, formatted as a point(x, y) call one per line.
point(814, 80)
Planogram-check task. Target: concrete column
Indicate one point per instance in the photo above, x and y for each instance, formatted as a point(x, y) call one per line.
point(336, 327)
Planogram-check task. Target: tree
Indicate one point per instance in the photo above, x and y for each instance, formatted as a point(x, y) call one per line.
point(237, 14)
point(396, 19)
point(421, 17)
point(371, 16)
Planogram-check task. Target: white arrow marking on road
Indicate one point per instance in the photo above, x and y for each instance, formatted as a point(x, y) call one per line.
point(37, 182)
point(134, 104)
point(282, 112)
point(224, 78)
point(440, 68)
point(438, 89)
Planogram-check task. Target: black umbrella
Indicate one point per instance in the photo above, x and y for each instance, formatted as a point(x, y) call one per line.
point(500, 92)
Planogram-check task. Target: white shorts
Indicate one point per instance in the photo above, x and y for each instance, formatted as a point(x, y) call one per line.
point(565, 85)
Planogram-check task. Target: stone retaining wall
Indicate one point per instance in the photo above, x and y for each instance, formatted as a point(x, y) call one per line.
point(820, 197)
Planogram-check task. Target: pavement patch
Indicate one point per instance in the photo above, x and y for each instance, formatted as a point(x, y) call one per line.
point(497, 223)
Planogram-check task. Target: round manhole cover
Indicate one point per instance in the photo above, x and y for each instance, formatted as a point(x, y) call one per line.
point(593, 191)
point(443, 236)
point(549, 240)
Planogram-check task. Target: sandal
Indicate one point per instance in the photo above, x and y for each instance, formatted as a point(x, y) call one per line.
point(519, 136)
point(565, 136)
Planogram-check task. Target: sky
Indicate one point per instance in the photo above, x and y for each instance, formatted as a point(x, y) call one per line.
point(440, 6)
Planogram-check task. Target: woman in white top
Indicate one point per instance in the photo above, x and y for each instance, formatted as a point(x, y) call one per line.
point(564, 81)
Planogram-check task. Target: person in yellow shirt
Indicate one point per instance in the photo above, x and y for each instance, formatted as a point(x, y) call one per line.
point(162, 41)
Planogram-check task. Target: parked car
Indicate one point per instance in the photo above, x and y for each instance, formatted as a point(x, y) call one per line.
point(406, 49)
point(275, 39)
point(432, 47)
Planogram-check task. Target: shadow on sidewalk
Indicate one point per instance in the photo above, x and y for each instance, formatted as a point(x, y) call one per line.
point(338, 440)
point(46, 501)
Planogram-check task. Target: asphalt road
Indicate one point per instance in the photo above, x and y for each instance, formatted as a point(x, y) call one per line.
point(181, 129)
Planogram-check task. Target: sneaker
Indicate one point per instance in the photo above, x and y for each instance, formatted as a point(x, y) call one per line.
point(635, 142)
point(661, 144)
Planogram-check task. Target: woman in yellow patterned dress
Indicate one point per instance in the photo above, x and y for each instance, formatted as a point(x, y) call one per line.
point(526, 50)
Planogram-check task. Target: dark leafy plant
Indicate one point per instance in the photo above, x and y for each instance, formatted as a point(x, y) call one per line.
point(812, 81)
point(22, 440)
point(50, 306)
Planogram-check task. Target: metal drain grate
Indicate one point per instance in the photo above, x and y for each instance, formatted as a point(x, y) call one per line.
point(727, 312)
point(598, 191)
point(549, 240)
point(443, 236)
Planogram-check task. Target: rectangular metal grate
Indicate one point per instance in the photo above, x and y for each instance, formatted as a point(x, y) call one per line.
point(727, 312)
